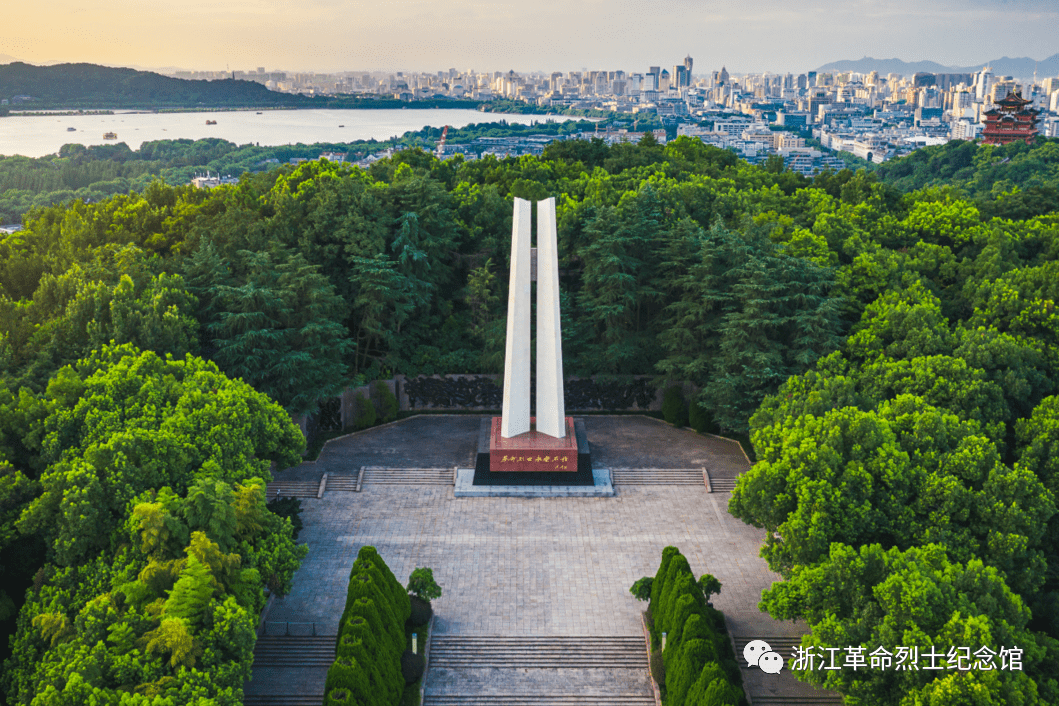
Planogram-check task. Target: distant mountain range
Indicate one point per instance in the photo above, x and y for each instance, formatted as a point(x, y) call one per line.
point(93, 86)
point(1019, 68)
point(7, 59)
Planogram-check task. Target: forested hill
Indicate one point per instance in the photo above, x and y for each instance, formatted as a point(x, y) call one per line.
point(1012, 181)
point(90, 85)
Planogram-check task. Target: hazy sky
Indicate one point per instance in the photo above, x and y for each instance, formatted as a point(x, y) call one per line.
point(552, 35)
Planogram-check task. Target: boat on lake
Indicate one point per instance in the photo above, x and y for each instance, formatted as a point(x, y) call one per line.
point(71, 129)
point(110, 135)
point(211, 122)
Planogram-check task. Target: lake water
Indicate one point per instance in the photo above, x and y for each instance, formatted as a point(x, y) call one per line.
point(36, 136)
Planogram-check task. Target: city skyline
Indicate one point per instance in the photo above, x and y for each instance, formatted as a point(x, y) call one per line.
point(412, 35)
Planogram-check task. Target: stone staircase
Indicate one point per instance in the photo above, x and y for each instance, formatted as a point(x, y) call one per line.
point(341, 484)
point(539, 700)
point(406, 476)
point(284, 700)
point(722, 485)
point(298, 664)
point(657, 476)
point(537, 671)
point(315, 651)
point(455, 651)
point(293, 489)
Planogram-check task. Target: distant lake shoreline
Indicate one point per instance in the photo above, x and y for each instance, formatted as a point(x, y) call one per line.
point(413, 105)
point(45, 133)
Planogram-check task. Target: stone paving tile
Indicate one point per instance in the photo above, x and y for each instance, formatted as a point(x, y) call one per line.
point(522, 566)
point(532, 566)
point(502, 681)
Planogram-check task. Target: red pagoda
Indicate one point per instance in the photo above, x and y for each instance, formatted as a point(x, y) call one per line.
point(1009, 121)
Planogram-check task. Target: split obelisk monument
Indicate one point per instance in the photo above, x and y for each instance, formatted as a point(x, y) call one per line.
point(521, 443)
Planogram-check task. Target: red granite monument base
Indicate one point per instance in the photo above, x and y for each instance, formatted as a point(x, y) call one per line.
point(533, 451)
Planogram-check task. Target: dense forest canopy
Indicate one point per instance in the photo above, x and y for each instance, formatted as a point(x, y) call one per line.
point(893, 354)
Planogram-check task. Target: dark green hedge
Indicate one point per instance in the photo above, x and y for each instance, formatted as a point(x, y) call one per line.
point(371, 640)
point(700, 667)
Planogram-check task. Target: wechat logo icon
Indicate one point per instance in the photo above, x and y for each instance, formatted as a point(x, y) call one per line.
point(757, 653)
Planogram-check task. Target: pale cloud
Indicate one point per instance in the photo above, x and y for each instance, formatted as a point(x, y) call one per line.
point(334, 35)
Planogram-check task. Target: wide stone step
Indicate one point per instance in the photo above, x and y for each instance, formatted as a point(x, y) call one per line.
point(289, 651)
point(538, 652)
point(722, 485)
point(537, 700)
point(284, 700)
point(407, 476)
point(345, 484)
point(821, 700)
point(657, 476)
point(292, 489)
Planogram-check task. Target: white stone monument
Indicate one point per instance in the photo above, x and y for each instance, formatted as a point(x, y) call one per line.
point(551, 414)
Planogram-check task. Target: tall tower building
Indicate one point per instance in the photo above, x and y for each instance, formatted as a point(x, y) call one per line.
point(688, 61)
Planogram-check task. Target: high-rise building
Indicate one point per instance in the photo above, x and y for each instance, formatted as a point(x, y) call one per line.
point(688, 61)
point(984, 84)
point(681, 76)
point(723, 76)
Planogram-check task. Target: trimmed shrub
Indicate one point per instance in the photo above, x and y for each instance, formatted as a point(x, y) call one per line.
point(698, 665)
point(421, 612)
point(356, 630)
point(674, 408)
point(686, 606)
point(386, 401)
point(350, 646)
point(368, 584)
point(421, 583)
point(709, 585)
point(642, 588)
point(366, 608)
point(660, 578)
point(380, 654)
point(697, 627)
point(701, 419)
point(338, 697)
point(678, 578)
point(363, 412)
point(347, 674)
point(400, 595)
point(686, 667)
point(658, 669)
point(712, 688)
point(367, 670)
point(412, 666)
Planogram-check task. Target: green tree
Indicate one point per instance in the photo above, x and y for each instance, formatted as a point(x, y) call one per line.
point(126, 421)
point(916, 596)
point(281, 332)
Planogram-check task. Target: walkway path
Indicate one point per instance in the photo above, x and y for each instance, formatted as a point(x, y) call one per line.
point(517, 567)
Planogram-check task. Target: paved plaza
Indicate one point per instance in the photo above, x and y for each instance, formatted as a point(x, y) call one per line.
point(528, 566)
